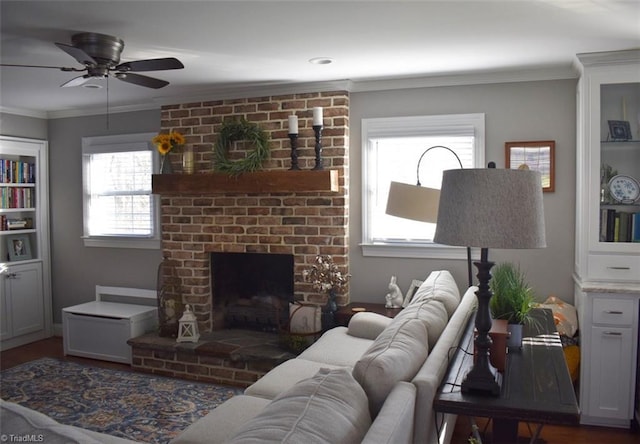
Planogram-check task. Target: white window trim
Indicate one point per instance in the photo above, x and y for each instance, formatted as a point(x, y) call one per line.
point(119, 143)
point(413, 126)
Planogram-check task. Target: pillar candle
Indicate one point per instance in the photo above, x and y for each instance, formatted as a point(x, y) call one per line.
point(293, 124)
point(188, 160)
point(317, 116)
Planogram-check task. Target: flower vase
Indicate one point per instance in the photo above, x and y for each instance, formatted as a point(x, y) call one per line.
point(165, 165)
point(328, 312)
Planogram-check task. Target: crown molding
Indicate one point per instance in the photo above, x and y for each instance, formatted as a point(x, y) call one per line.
point(24, 112)
point(569, 71)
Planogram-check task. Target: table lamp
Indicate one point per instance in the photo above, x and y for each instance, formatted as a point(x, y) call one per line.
point(419, 203)
point(489, 208)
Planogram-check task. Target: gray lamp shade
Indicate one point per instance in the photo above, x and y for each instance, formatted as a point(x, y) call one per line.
point(413, 202)
point(491, 208)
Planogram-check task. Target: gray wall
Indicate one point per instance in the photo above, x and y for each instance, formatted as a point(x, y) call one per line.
point(523, 111)
point(76, 270)
point(22, 126)
point(514, 111)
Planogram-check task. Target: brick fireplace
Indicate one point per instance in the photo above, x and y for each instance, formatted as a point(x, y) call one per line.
point(299, 223)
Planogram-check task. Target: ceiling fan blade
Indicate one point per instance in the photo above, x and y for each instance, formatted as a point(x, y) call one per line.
point(76, 81)
point(151, 65)
point(137, 79)
point(78, 54)
point(61, 68)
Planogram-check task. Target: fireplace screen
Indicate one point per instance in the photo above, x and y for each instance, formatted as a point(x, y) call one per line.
point(251, 290)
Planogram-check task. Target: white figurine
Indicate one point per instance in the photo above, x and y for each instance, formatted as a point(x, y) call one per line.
point(394, 298)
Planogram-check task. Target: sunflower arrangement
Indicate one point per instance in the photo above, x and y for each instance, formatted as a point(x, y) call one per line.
point(167, 142)
point(324, 275)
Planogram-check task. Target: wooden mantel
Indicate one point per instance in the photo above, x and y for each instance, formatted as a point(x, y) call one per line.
point(275, 181)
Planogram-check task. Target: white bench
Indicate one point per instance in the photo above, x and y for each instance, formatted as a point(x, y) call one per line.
point(100, 329)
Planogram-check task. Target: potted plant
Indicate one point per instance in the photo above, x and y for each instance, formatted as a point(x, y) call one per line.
point(512, 300)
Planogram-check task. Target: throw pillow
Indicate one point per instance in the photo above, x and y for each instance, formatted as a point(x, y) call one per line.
point(329, 408)
point(367, 325)
point(440, 286)
point(396, 355)
point(431, 312)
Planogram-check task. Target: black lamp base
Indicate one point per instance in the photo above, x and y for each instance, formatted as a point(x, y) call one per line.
point(481, 379)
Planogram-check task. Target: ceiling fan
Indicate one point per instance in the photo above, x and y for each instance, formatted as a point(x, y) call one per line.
point(100, 55)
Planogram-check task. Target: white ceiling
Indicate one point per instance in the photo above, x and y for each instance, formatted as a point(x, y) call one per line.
point(233, 46)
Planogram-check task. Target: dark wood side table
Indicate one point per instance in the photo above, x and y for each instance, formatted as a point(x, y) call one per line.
point(535, 387)
point(344, 313)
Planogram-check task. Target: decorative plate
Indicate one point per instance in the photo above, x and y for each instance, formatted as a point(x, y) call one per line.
point(624, 189)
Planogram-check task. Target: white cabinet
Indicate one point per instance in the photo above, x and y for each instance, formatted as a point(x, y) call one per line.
point(25, 289)
point(22, 308)
point(607, 259)
point(608, 99)
point(609, 358)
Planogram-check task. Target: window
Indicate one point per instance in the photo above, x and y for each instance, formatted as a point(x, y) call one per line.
point(118, 207)
point(391, 150)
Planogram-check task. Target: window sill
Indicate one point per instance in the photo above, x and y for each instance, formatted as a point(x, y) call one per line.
point(424, 251)
point(122, 242)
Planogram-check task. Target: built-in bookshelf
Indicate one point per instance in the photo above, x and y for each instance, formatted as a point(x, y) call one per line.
point(25, 272)
point(17, 193)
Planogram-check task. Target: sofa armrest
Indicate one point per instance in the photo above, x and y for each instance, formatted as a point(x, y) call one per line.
point(368, 325)
point(394, 423)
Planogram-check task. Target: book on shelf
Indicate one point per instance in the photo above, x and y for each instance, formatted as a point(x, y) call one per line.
point(17, 197)
point(16, 171)
point(7, 224)
point(619, 226)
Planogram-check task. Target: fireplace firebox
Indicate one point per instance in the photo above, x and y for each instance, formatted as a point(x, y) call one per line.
point(251, 290)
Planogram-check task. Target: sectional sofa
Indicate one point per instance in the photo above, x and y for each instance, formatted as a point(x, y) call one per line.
point(371, 382)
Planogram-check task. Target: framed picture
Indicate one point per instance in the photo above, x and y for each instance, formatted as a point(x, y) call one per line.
point(19, 247)
point(619, 130)
point(536, 156)
point(415, 284)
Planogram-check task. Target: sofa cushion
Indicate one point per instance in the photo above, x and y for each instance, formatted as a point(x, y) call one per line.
point(19, 421)
point(337, 348)
point(440, 286)
point(431, 312)
point(284, 376)
point(222, 422)
point(396, 355)
point(329, 408)
point(367, 325)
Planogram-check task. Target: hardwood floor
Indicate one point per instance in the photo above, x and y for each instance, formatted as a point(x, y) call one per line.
point(550, 434)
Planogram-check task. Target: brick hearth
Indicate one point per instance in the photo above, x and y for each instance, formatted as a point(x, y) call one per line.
point(234, 357)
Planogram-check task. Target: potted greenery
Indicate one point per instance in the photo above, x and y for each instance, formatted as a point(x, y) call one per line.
point(512, 300)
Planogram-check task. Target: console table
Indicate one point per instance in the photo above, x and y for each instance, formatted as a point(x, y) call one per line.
point(535, 387)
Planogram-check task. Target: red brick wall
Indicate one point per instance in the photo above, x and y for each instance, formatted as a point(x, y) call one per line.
point(302, 224)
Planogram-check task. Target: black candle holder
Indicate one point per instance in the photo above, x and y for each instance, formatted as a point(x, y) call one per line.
point(294, 151)
point(317, 129)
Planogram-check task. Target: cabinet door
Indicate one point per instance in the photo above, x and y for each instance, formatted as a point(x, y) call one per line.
point(610, 394)
point(23, 285)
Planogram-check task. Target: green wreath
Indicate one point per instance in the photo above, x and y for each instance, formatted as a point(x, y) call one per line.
point(232, 131)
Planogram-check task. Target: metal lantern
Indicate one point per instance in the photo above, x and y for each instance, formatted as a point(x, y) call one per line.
point(188, 331)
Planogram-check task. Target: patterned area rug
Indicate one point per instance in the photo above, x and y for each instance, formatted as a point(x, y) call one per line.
point(135, 406)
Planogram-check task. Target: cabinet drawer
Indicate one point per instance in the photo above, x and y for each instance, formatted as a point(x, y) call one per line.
point(614, 268)
point(613, 311)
